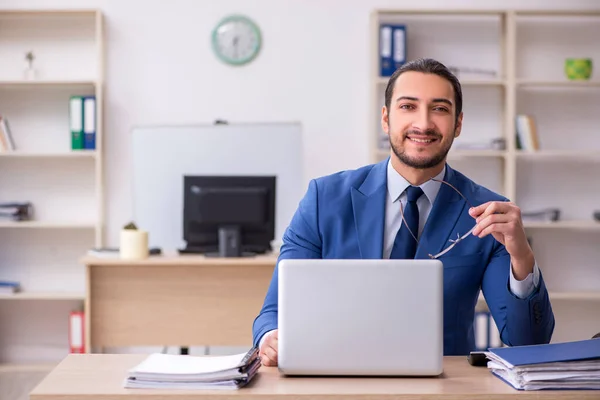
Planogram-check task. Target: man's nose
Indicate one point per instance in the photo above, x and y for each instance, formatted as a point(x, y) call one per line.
point(423, 120)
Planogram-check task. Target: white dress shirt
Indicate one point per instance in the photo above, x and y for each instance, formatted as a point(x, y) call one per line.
point(396, 185)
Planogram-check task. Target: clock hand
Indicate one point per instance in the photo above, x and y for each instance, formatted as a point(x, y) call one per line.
point(235, 46)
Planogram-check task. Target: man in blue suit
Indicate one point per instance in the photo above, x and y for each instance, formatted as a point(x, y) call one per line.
point(414, 204)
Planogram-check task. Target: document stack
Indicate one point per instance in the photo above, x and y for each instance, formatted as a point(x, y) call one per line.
point(18, 211)
point(167, 371)
point(569, 365)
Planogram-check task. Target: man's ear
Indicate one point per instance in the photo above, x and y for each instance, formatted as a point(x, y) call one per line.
point(458, 127)
point(385, 122)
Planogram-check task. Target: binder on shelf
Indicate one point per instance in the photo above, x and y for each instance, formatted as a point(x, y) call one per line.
point(392, 48)
point(485, 331)
point(89, 122)
point(76, 122)
point(76, 332)
point(481, 330)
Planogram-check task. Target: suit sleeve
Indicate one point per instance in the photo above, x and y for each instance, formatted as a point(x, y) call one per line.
point(520, 321)
point(301, 240)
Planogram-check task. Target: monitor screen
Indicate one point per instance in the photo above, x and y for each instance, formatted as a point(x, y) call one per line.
point(243, 203)
point(230, 205)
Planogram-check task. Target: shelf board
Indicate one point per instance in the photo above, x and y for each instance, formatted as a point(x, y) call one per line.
point(456, 154)
point(563, 296)
point(579, 225)
point(526, 83)
point(43, 296)
point(45, 83)
point(464, 82)
point(28, 367)
point(65, 154)
point(49, 12)
point(47, 225)
point(445, 12)
point(559, 155)
point(557, 13)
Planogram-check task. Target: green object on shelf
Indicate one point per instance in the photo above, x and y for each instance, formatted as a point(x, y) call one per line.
point(130, 226)
point(578, 68)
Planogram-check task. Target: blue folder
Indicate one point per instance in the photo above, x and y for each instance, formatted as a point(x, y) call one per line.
point(549, 353)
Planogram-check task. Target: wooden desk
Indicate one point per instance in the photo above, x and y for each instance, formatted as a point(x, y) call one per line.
point(101, 376)
point(174, 300)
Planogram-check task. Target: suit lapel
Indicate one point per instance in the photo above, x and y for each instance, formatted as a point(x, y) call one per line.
point(368, 205)
point(446, 210)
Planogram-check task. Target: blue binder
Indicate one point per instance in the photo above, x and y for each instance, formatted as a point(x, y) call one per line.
point(550, 353)
point(392, 48)
point(89, 122)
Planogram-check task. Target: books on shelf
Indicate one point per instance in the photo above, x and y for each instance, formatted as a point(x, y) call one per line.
point(527, 136)
point(541, 215)
point(7, 142)
point(168, 371)
point(568, 365)
point(16, 211)
point(9, 287)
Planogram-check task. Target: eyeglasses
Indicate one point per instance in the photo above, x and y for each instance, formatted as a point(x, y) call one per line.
point(453, 242)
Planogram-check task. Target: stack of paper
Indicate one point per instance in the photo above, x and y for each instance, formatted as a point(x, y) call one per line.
point(166, 371)
point(570, 365)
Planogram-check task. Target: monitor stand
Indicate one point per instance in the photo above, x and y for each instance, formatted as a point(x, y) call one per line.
point(229, 245)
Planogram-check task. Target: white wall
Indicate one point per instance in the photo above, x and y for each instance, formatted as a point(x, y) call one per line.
point(314, 68)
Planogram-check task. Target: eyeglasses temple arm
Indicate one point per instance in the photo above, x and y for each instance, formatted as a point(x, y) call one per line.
point(452, 245)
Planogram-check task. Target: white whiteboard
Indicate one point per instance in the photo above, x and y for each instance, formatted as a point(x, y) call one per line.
point(163, 155)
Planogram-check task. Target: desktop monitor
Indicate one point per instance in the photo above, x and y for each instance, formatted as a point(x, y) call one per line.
point(228, 216)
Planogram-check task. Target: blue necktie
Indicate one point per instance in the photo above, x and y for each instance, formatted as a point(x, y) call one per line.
point(405, 246)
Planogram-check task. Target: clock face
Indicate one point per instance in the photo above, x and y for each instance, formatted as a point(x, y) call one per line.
point(236, 40)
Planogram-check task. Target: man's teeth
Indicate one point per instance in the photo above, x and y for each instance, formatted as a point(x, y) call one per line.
point(421, 140)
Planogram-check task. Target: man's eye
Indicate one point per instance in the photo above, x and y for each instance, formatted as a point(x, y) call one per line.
point(442, 109)
point(406, 106)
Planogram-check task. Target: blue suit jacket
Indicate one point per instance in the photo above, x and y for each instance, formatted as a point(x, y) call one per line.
point(342, 216)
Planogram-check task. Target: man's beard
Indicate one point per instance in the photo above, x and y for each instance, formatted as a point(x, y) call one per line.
point(420, 163)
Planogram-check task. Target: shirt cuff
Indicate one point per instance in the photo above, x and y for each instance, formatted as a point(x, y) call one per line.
point(262, 339)
point(523, 289)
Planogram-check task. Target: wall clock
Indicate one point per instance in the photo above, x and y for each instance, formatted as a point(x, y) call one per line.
point(236, 40)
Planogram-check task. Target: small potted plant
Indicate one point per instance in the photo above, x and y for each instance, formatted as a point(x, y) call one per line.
point(29, 70)
point(134, 243)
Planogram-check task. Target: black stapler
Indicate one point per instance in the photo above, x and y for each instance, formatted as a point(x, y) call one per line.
point(477, 359)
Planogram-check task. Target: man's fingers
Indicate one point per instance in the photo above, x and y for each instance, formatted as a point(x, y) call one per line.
point(489, 220)
point(489, 208)
point(269, 350)
point(503, 228)
point(476, 211)
point(272, 344)
point(269, 356)
point(267, 362)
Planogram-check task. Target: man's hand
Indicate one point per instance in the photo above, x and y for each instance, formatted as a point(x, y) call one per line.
point(268, 350)
point(503, 221)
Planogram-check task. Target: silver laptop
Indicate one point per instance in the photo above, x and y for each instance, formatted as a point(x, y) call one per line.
point(360, 317)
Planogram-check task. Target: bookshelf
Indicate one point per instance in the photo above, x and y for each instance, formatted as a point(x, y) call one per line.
point(522, 53)
point(65, 186)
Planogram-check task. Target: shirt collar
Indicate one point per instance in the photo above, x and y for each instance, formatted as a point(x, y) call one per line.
point(396, 184)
